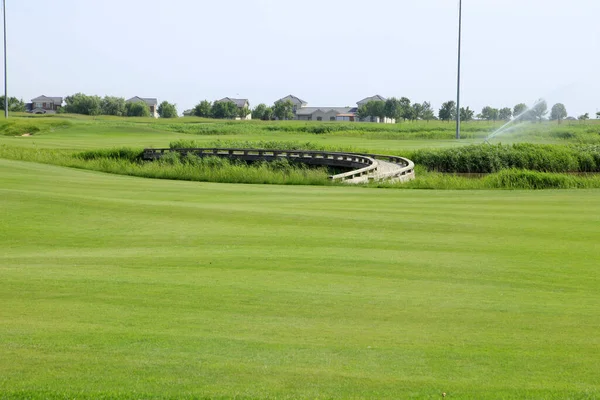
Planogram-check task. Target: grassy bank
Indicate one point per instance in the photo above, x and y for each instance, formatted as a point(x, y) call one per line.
point(128, 161)
point(117, 287)
point(74, 131)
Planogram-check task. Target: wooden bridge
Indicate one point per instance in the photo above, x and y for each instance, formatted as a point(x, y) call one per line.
point(362, 168)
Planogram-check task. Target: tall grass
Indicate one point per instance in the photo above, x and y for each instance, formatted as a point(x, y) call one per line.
point(260, 144)
point(172, 166)
point(509, 179)
point(192, 168)
point(493, 158)
point(18, 126)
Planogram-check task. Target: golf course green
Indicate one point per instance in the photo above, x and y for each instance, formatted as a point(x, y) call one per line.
point(122, 287)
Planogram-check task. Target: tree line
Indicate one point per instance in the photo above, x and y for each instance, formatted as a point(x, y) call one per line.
point(80, 103)
point(282, 110)
point(219, 110)
point(393, 108)
point(14, 104)
point(520, 112)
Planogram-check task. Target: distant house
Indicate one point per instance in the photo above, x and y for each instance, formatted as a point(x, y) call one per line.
point(44, 105)
point(372, 98)
point(240, 103)
point(322, 113)
point(349, 114)
point(373, 118)
point(151, 102)
point(296, 101)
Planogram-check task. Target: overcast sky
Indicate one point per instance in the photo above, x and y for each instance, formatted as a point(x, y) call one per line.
point(327, 52)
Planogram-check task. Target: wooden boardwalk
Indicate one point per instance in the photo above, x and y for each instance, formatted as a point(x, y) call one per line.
point(362, 168)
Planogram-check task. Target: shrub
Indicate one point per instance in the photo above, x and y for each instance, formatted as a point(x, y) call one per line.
point(167, 110)
point(137, 109)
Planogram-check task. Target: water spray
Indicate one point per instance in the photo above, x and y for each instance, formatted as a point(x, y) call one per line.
point(505, 127)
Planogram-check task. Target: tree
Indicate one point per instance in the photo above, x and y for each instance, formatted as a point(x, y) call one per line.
point(391, 108)
point(584, 117)
point(428, 113)
point(489, 113)
point(505, 114)
point(540, 110)
point(80, 103)
point(363, 112)
point(558, 113)
point(137, 109)
point(448, 111)
point(520, 111)
point(203, 109)
point(259, 111)
point(284, 110)
point(14, 104)
point(466, 114)
point(417, 111)
point(113, 106)
point(243, 112)
point(405, 109)
point(268, 114)
point(598, 115)
point(377, 109)
point(224, 110)
point(167, 110)
point(371, 110)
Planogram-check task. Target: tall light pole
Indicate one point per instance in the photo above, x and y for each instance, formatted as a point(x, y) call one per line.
point(5, 64)
point(458, 79)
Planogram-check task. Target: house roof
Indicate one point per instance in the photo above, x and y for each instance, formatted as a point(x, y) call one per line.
point(293, 99)
point(241, 103)
point(42, 99)
point(312, 110)
point(372, 98)
point(148, 100)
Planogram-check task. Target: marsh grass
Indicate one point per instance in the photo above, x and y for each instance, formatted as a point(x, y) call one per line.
point(485, 158)
point(128, 161)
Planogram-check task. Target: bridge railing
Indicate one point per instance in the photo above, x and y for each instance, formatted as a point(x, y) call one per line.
point(406, 172)
point(361, 164)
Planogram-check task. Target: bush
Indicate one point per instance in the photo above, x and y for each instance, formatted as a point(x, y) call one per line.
point(167, 110)
point(80, 103)
point(137, 109)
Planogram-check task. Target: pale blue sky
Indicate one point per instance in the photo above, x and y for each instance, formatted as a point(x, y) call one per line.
point(328, 52)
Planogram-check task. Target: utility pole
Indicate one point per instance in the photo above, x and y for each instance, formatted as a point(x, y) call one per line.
point(458, 79)
point(5, 64)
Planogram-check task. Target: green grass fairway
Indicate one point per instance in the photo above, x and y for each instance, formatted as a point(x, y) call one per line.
point(121, 287)
point(84, 133)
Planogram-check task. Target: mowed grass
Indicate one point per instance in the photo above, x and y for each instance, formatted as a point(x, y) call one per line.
point(122, 287)
point(84, 133)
